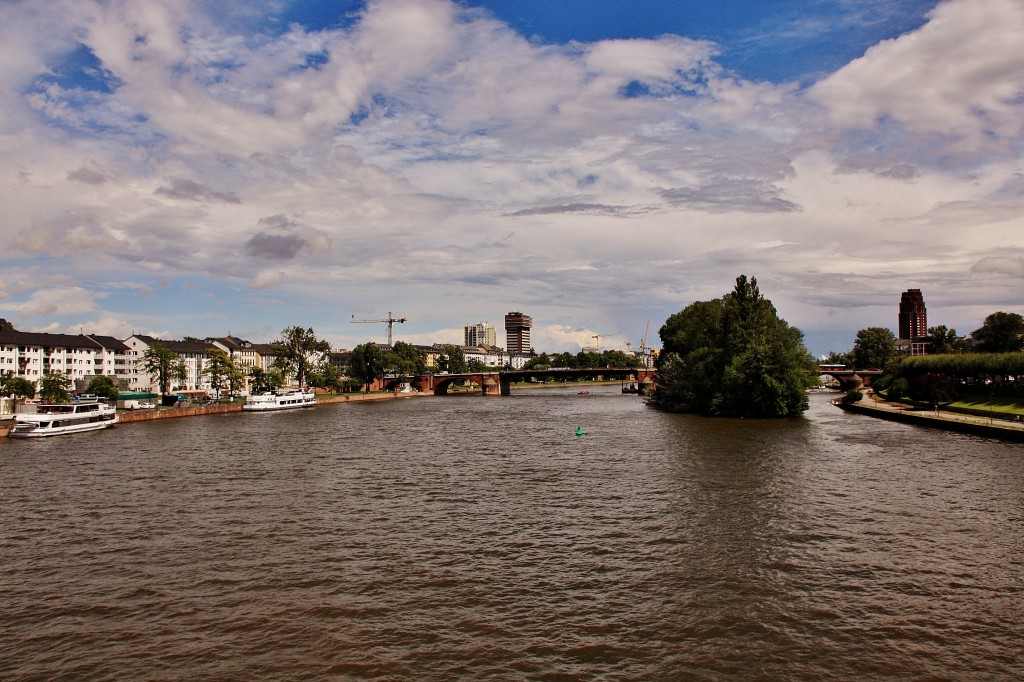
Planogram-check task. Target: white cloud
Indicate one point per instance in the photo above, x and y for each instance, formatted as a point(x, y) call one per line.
point(439, 162)
point(57, 301)
point(957, 77)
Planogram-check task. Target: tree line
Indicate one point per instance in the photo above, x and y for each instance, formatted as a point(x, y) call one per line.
point(991, 361)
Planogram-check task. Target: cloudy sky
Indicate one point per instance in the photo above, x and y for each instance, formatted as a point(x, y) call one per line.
point(202, 167)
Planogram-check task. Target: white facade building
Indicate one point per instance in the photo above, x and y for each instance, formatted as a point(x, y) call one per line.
point(31, 355)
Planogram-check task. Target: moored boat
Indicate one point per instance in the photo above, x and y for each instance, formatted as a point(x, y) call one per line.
point(64, 418)
point(276, 400)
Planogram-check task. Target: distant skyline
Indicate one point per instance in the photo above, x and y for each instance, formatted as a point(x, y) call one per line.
point(196, 168)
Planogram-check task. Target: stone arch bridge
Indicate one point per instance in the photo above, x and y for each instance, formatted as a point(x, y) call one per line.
point(500, 383)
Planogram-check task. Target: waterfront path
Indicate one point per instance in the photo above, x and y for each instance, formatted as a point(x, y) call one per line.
point(992, 426)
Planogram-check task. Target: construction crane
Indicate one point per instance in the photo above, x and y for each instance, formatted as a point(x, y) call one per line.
point(389, 321)
point(598, 337)
point(643, 342)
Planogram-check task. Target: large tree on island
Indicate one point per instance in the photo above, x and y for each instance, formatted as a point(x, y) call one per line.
point(297, 350)
point(163, 362)
point(733, 356)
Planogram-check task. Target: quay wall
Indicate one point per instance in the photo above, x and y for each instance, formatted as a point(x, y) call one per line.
point(974, 426)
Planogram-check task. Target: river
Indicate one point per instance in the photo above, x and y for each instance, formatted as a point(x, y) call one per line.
point(469, 538)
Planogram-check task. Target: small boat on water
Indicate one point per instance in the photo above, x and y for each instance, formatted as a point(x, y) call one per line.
point(58, 419)
point(277, 400)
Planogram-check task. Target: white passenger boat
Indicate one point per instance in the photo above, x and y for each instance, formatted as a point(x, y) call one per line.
point(61, 419)
point(264, 402)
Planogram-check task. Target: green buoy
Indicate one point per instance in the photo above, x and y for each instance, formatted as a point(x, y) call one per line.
point(579, 430)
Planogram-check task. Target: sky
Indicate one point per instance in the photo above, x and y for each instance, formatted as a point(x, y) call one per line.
point(203, 168)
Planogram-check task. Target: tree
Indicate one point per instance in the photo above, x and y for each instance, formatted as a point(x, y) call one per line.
point(874, 347)
point(366, 363)
point(1001, 333)
point(933, 389)
point(327, 376)
point(53, 387)
point(165, 364)
point(541, 361)
point(452, 360)
point(263, 381)
point(16, 386)
point(104, 387)
point(944, 340)
point(298, 350)
point(221, 370)
point(733, 356)
point(411, 360)
point(834, 358)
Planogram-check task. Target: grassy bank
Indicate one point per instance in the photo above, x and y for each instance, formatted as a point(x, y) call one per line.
point(996, 404)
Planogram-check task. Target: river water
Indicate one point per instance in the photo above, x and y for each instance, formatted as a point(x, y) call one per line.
point(479, 538)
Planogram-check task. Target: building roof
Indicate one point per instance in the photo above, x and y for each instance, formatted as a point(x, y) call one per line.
point(16, 338)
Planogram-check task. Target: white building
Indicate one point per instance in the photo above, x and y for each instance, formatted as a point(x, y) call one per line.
point(80, 358)
point(192, 355)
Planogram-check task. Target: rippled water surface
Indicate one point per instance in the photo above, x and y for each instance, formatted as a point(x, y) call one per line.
point(479, 538)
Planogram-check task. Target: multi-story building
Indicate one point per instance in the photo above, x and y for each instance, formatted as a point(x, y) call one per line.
point(481, 334)
point(192, 355)
point(80, 358)
point(913, 322)
point(246, 355)
point(517, 333)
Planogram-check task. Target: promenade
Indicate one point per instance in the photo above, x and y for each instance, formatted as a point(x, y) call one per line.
point(991, 426)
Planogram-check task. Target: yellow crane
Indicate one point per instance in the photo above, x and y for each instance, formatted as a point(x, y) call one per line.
point(643, 342)
point(389, 321)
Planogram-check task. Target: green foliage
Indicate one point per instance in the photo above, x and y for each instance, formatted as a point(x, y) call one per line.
point(733, 356)
point(366, 363)
point(19, 387)
point(987, 370)
point(875, 347)
point(404, 359)
point(327, 377)
point(933, 388)
point(298, 350)
point(452, 360)
point(221, 370)
point(1001, 333)
point(583, 360)
point(853, 396)
point(104, 387)
point(262, 381)
point(835, 358)
point(53, 387)
point(944, 340)
point(165, 364)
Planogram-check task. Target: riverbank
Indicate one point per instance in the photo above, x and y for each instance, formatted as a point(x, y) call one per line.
point(988, 426)
point(132, 416)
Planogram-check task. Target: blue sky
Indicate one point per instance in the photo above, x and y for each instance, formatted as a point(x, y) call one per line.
point(183, 167)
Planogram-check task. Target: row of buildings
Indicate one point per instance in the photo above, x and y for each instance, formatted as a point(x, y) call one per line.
point(82, 357)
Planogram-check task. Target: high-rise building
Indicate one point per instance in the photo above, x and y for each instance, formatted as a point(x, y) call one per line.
point(481, 334)
point(913, 315)
point(517, 332)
